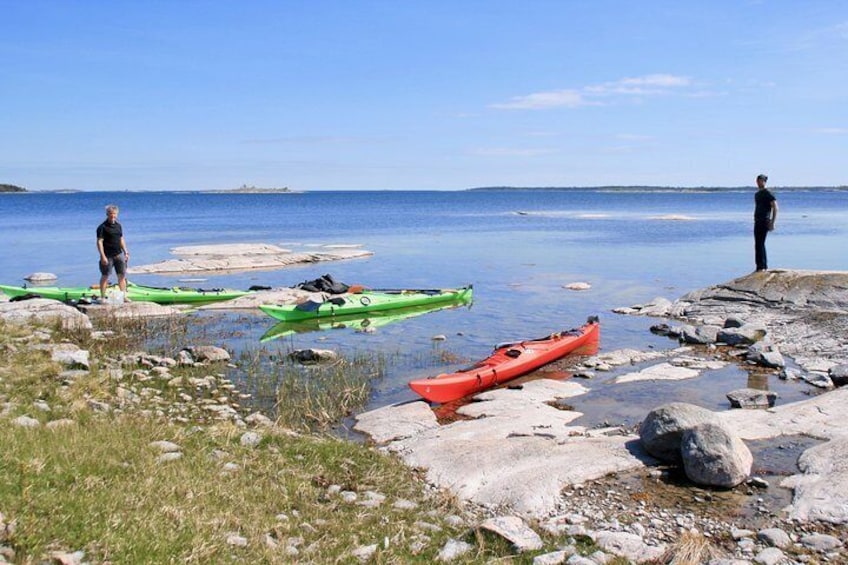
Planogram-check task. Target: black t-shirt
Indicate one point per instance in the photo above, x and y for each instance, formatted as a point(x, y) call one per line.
point(111, 235)
point(763, 199)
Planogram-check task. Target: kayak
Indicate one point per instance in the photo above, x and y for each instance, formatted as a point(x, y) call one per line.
point(366, 302)
point(509, 361)
point(135, 292)
point(356, 322)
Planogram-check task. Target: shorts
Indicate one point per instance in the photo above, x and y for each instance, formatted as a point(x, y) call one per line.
point(117, 262)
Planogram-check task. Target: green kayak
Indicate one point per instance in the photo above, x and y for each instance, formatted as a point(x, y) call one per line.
point(366, 302)
point(356, 322)
point(135, 292)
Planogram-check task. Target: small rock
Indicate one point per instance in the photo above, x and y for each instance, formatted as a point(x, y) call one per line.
point(250, 439)
point(165, 446)
point(364, 553)
point(40, 277)
point(26, 422)
point(453, 550)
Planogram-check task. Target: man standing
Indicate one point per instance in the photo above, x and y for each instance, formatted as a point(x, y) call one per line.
point(113, 251)
point(765, 214)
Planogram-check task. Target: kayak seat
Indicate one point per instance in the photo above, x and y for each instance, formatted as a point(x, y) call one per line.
point(512, 353)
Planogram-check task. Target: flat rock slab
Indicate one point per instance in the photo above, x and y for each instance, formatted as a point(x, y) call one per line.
point(659, 372)
point(131, 310)
point(398, 421)
point(228, 258)
point(519, 452)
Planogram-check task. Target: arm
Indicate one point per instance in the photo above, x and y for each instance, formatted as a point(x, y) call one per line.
point(100, 250)
point(127, 251)
point(773, 214)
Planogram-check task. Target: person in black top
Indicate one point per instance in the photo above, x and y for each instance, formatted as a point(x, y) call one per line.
point(113, 251)
point(765, 214)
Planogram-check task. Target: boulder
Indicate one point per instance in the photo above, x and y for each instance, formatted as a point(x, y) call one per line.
point(43, 311)
point(715, 456)
point(662, 429)
point(40, 277)
point(751, 398)
point(313, 356)
point(700, 335)
point(208, 353)
point(744, 335)
point(838, 375)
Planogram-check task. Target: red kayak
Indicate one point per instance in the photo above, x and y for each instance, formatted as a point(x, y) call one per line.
point(510, 361)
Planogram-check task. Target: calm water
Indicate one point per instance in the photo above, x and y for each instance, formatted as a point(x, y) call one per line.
point(518, 248)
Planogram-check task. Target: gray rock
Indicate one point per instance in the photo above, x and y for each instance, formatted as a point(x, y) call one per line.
point(454, 549)
point(821, 542)
point(818, 380)
point(628, 545)
point(72, 357)
point(770, 556)
point(250, 439)
point(40, 277)
point(661, 431)
point(364, 553)
point(396, 421)
point(839, 375)
point(165, 446)
point(774, 537)
point(554, 557)
point(313, 356)
point(715, 456)
point(513, 529)
point(209, 353)
point(242, 257)
point(751, 398)
point(169, 456)
point(43, 311)
point(26, 422)
point(700, 335)
point(745, 335)
point(733, 322)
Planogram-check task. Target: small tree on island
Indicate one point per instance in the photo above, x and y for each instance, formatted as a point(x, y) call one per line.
point(11, 188)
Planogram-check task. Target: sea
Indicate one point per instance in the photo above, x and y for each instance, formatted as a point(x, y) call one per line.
point(520, 248)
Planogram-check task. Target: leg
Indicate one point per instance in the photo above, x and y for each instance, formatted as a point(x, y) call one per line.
point(121, 272)
point(760, 233)
point(104, 277)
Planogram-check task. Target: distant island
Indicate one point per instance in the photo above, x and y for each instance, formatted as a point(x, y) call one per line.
point(646, 188)
point(11, 188)
point(245, 189)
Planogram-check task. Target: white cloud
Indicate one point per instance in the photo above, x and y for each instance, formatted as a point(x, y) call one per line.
point(831, 131)
point(648, 85)
point(544, 100)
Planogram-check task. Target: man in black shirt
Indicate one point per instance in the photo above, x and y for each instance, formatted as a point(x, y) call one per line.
point(765, 214)
point(113, 251)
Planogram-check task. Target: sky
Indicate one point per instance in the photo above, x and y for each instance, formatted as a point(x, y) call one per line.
point(415, 94)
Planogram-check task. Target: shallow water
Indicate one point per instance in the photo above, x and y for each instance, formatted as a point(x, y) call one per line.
point(519, 249)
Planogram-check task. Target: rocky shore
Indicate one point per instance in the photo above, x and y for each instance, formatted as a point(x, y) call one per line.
point(519, 450)
point(517, 458)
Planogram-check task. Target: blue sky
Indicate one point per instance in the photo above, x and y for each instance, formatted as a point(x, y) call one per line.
point(407, 94)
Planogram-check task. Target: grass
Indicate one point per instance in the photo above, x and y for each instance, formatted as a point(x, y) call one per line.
point(97, 484)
